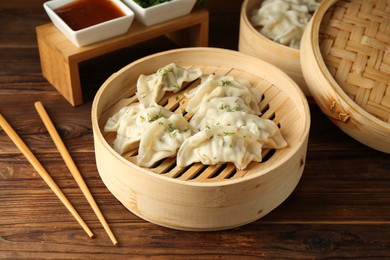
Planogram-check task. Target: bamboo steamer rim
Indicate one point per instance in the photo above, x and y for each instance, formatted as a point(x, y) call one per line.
point(209, 51)
point(244, 13)
point(313, 31)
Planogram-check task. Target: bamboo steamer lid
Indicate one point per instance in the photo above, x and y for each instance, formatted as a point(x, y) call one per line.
point(253, 43)
point(345, 57)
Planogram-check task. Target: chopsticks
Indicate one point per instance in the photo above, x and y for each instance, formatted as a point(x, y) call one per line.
point(69, 163)
point(72, 167)
point(42, 172)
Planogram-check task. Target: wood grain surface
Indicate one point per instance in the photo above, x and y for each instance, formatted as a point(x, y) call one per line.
point(340, 209)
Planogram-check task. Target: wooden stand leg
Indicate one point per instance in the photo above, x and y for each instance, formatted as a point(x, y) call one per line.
point(60, 72)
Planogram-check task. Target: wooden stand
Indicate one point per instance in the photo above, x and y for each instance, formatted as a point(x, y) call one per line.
point(60, 58)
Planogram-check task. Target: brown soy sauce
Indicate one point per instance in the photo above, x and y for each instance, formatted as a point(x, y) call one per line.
point(81, 14)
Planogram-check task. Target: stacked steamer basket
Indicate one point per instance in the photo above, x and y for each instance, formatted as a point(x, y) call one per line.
point(252, 42)
point(345, 55)
point(202, 197)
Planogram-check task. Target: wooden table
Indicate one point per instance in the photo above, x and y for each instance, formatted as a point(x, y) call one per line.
point(341, 207)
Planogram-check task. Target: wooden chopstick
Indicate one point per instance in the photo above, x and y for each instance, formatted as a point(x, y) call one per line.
point(72, 167)
point(42, 172)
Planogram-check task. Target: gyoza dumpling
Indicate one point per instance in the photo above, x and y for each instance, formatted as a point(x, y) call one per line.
point(130, 123)
point(222, 86)
point(312, 5)
point(265, 131)
point(162, 138)
point(113, 122)
point(284, 21)
point(151, 88)
point(210, 112)
point(220, 144)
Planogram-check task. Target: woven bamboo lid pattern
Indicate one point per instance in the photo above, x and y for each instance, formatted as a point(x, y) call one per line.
point(355, 45)
point(345, 58)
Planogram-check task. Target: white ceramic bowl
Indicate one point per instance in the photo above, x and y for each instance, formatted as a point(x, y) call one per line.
point(94, 33)
point(161, 12)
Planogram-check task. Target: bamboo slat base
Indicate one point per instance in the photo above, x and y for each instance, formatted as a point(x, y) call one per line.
point(60, 58)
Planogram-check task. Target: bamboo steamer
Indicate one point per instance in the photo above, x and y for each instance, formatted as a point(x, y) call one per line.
point(345, 57)
point(201, 197)
point(252, 42)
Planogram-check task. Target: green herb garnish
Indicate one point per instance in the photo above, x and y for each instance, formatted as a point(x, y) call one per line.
point(164, 71)
point(149, 3)
point(155, 117)
point(171, 127)
point(226, 83)
point(229, 133)
point(227, 108)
